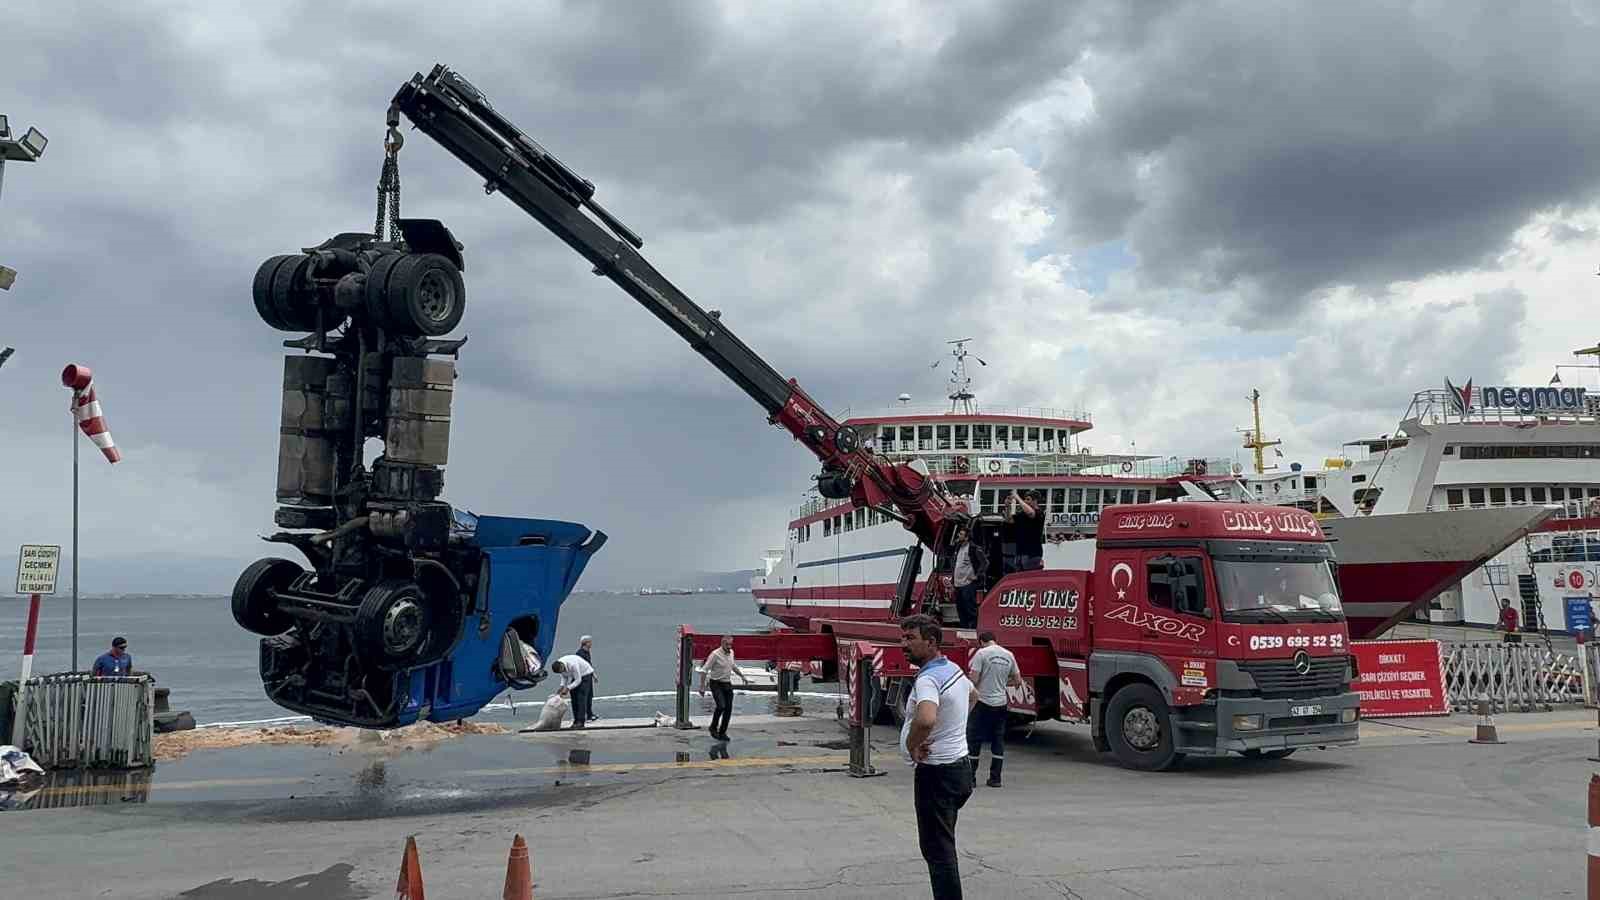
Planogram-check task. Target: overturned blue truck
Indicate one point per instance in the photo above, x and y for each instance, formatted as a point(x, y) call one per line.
point(405, 608)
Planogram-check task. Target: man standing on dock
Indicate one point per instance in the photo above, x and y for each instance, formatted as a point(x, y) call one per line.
point(719, 669)
point(586, 650)
point(993, 669)
point(574, 670)
point(1508, 622)
point(116, 662)
point(1025, 512)
point(934, 738)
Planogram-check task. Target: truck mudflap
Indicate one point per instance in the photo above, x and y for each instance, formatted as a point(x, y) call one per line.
point(1209, 729)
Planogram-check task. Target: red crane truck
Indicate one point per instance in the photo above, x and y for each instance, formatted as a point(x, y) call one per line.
point(1202, 628)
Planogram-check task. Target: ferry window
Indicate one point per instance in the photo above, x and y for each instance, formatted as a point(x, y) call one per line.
point(827, 528)
point(886, 439)
point(1449, 449)
point(980, 437)
point(1058, 500)
point(1033, 439)
point(1569, 452)
point(1475, 496)
point(1049, 440)
point(1594, 492)
point(1357, 479)
point(1521, 452)
point(1495, 575)
point(961, 438)
point(1536, 494)
point(1075, 500)
point(1258, 487)
point(1127, 495)
point(1497, 496)
point(1557, 495)
point(943, 431)
point(908, 437)
point(1519, 495)
point(1091, 500)
point(986, 500)
point(1144, 495)
point(924, 437)
point(1455, 498)
point(1311, 483)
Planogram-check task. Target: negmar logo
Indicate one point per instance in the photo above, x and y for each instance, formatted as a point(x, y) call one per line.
point(1522, 399)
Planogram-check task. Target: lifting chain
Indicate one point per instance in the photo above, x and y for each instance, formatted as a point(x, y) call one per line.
point(389, 182)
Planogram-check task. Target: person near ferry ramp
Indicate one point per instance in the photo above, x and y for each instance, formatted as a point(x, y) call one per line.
point(586, 650)
point(934, 739)
point(117, 661)
point(718, 670)
point(964, 577)
point(1508, 622)
point(993, 669)
point(1025, 512)
point(573, 670)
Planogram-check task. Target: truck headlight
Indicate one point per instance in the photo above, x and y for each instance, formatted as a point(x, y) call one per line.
point(1346, 716)
point(1247, 723)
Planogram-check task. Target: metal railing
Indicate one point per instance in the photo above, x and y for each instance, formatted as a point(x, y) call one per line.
point(933, 411)
point(76, 720)
point(1437, 407)
point(1512, 677)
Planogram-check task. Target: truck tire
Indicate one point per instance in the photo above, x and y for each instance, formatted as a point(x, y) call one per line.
point(254, 607)
point(393, 623)
point(292, 299)
point(261, 292)
point(1139, 729)
point(1280, 753)
point(425, 295)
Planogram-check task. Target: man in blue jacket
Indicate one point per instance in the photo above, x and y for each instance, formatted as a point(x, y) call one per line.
point(117, 662)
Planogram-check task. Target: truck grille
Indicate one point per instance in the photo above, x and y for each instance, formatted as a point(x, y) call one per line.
point(1279, 679)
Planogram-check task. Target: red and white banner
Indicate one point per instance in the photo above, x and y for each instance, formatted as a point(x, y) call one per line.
point(1400, 678)
point(86, 410)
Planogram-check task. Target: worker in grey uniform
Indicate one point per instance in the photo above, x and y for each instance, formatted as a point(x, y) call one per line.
point(993, 669)
point(933, 738)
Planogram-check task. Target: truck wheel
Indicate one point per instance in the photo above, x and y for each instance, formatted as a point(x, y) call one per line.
point(425, 295)
point(293, 301)
point(261, 291)
point(1280, 753)
point(1139, 728)
point(392, 623)
point(254, 607)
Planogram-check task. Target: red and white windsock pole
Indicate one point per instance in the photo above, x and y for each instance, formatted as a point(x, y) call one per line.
point(27, 670)
point(86, 410)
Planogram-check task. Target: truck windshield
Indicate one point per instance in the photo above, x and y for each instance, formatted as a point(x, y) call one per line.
point(1277, 590)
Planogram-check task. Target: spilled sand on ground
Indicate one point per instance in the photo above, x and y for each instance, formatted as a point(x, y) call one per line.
point(181, 743)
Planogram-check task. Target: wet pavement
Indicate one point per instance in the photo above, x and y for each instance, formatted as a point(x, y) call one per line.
point(1415, 811)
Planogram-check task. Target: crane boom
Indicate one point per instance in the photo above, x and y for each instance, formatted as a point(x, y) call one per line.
point(452, 112)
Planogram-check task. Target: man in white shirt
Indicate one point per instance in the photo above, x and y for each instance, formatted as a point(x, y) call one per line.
point(993, 670)
point(934, 739)
point(574, 671)
point(719, 669)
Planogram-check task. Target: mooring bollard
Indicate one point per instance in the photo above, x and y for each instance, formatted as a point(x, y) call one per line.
point(685, 676)
point(787, 682)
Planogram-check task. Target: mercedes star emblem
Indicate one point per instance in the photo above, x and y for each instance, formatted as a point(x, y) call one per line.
point(1302, 663)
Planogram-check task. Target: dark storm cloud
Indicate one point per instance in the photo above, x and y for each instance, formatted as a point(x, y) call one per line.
point(1275, 151)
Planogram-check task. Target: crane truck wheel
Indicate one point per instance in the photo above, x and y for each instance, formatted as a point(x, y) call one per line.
point(1139, 728)
point(254, 606)
point(392, 624)
point(425, 295)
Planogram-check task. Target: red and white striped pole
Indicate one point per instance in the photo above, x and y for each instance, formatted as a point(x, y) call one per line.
point(1594, 837)
point(17, 731)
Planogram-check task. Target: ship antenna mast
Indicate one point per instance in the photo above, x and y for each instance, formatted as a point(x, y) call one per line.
point(961, 396)
point(1253, 439)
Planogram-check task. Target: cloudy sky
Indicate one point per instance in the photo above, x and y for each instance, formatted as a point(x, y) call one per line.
point(1142, 209)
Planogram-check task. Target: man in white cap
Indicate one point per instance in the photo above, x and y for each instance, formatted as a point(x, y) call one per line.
point(586, 650)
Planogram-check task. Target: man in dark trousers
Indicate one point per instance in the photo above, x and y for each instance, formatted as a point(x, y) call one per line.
point(586, 650)
point(116, 662)
point(992, 669)
point(1508, 622)
point(934, 739)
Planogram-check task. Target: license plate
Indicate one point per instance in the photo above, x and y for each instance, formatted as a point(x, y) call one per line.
point(1305, 710)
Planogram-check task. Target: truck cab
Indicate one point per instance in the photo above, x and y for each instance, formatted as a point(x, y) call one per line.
point(1202, 629)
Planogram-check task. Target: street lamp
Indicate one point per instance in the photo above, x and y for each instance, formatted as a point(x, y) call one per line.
point(27, 148)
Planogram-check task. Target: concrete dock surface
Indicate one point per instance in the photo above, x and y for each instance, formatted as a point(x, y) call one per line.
point(1415, 811)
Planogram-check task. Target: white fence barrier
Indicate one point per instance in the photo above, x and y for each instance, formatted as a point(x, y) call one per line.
point(1513, 677)
point(78, 721)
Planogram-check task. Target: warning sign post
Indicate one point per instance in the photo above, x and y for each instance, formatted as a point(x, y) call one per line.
point(36, 568)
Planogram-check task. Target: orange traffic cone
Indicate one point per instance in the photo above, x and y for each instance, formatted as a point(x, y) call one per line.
point(409, 887)
point(519, 873)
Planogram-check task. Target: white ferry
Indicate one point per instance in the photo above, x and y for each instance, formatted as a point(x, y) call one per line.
point(844, 563)
point(1477, 451)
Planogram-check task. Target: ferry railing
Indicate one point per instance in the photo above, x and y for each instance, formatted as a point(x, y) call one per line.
point(1438, 407)
point(981, 409)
